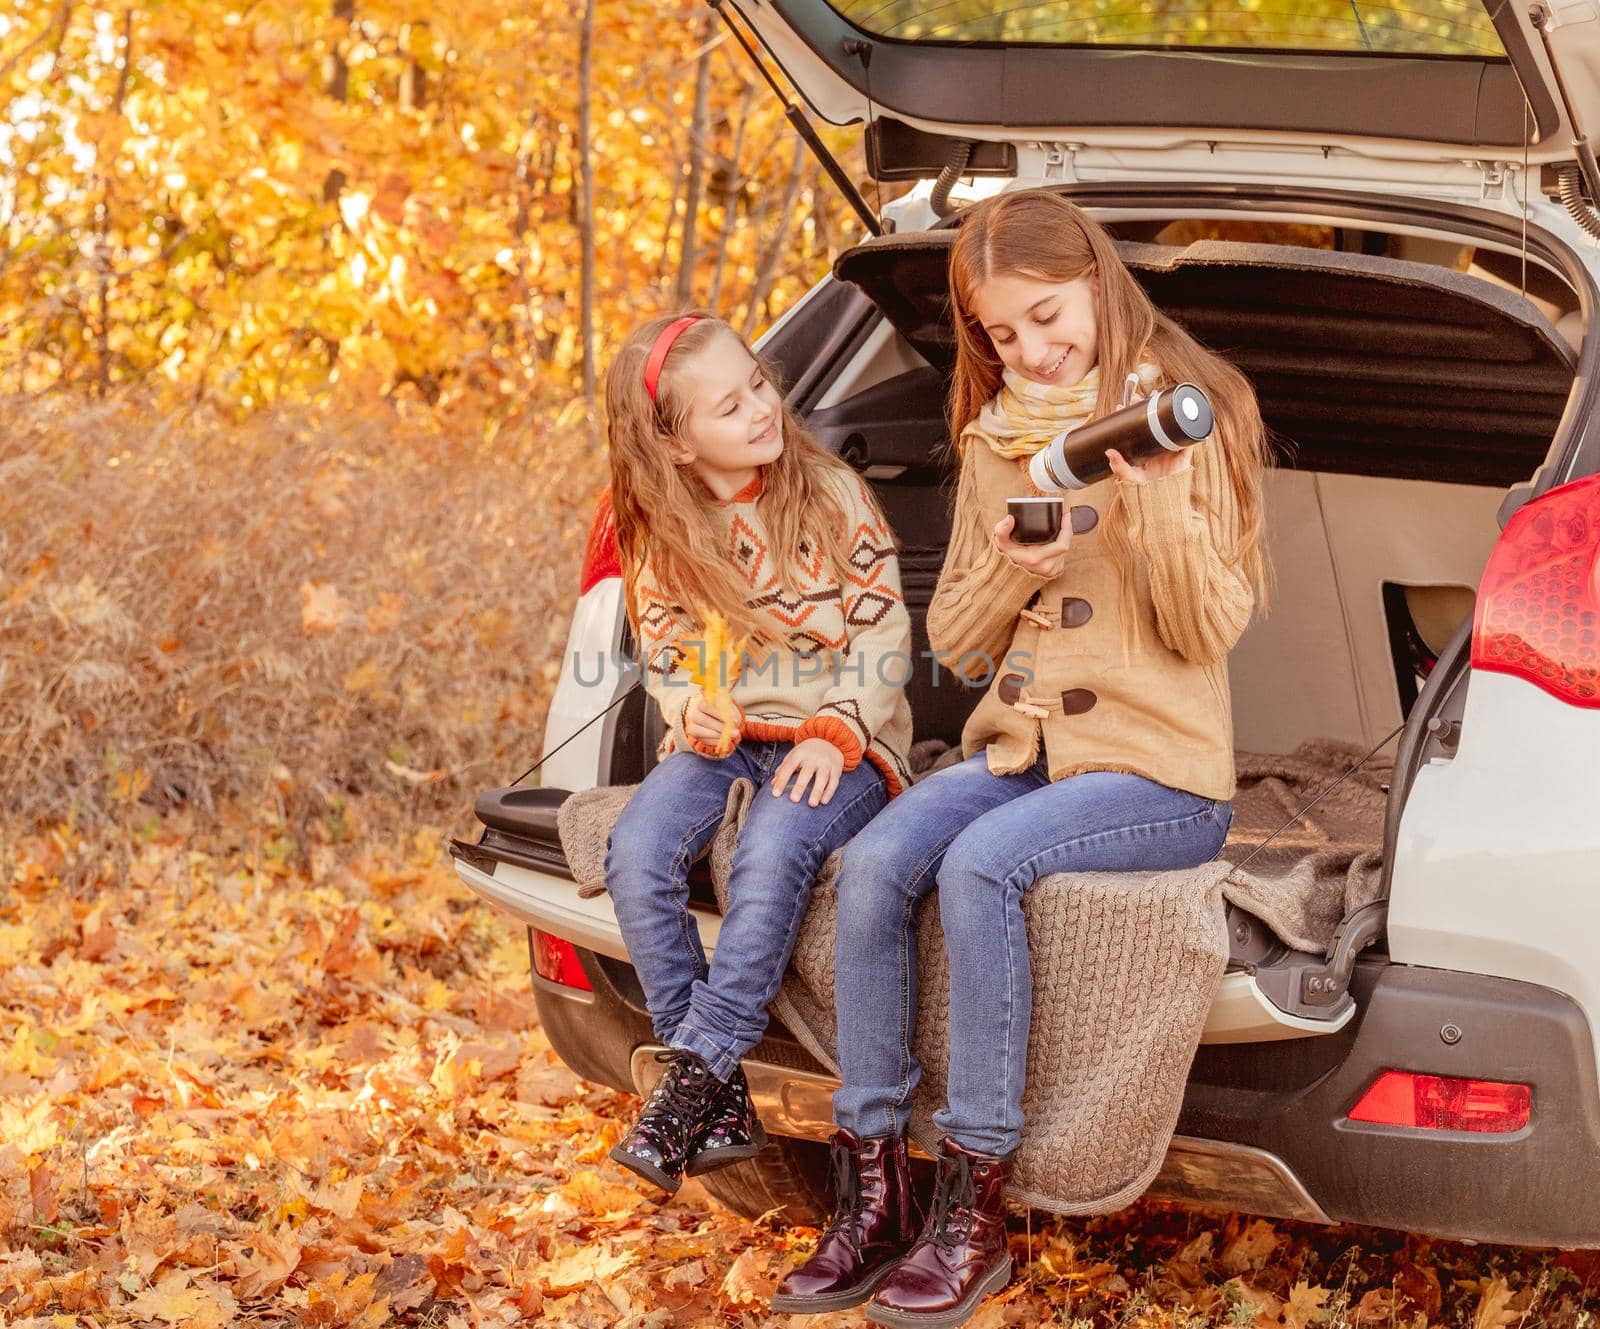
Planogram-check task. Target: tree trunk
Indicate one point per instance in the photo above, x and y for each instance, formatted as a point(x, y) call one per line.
point(336, 83)
point(731, 196)
point(102, 247)
point(335, 69)
point(688, 253)
point(586, 190)
point(414, 78)
point(666, 231)
point(413, 86)
point(767, 268)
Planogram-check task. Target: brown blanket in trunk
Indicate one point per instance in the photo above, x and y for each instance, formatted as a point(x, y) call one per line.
point(1125, 964)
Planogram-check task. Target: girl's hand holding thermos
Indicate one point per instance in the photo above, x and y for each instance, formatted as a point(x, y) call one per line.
point(1144, 439)
point(1154, 468)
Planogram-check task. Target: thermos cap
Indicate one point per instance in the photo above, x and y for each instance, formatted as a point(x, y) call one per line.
point(1191, 412)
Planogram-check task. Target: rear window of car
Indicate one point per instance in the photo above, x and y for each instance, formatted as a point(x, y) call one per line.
point(1413, 27)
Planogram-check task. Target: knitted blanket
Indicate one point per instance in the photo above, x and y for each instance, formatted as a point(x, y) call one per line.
point(1125, 965)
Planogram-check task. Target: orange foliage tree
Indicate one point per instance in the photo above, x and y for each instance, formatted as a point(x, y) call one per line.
point(272, 201)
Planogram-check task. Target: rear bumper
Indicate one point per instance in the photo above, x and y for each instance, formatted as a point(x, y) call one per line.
point(1263, 1127)
point(605, 1036)
point(799, 1104)
point(1539, 1186)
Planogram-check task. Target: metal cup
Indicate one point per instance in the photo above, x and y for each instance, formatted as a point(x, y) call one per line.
point(1035, 521)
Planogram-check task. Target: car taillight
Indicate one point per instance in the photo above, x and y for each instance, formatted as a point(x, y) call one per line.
point(1538, 610)
point(556, 959)
point(601, 557)
point(1445, 1103)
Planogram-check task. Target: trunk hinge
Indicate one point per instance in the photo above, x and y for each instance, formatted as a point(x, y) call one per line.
point(1312, 987)
point(1493, 188)
point(1587, 170)
point(802, 126)
point(1060, 163)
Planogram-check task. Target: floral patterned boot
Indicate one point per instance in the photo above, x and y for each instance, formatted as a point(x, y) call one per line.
point(658, 1144)
point(731, 1130)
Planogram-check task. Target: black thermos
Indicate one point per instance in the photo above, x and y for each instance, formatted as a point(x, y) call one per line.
point(1167, 421)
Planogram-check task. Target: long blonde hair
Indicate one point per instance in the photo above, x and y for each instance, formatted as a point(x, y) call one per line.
point(664, 511)
point(1037, 233)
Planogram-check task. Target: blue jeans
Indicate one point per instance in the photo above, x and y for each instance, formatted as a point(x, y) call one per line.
point(984, 840)
point(720, 1011)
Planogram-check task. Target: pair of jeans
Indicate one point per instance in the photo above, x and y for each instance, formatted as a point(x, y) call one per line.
point(719, 1011)
point(983, 840)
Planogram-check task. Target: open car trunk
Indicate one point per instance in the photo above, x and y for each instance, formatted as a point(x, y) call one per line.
point(1403, 399)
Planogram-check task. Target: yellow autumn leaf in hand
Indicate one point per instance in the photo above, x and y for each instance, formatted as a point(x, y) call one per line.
point(715, 671)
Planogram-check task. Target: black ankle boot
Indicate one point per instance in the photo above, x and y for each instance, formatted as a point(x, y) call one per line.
point(731, 1130)
point(657, 1145)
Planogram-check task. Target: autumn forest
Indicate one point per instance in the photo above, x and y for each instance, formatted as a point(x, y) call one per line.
point(302, 306)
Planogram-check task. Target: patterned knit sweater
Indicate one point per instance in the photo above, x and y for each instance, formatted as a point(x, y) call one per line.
point(847, 655)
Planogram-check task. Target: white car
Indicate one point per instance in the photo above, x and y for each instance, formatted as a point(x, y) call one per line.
point(1418, 331)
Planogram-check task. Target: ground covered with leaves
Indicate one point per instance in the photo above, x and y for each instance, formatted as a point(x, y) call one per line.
point(262, 1059)
point(236, 1090)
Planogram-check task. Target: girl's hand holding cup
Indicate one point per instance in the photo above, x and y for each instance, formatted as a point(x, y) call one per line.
point(1043, 559)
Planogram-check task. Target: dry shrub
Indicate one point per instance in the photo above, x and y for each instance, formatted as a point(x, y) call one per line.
point(334, 620)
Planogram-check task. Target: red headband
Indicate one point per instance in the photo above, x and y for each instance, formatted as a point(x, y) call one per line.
point(658, 352)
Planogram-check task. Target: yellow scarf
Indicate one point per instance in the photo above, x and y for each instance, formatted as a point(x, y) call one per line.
point(1024, 415)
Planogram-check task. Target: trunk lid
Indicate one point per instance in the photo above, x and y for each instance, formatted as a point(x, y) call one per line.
point(1438, 81)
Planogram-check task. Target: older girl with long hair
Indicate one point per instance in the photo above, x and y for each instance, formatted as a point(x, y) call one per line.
point(1111, 751)
point(724, 504)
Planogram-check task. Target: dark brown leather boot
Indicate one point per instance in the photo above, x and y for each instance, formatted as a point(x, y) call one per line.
point(874, 1222)
point(961, 1256)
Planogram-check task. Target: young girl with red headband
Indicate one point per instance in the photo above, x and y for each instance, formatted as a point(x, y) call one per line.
point(724, 504)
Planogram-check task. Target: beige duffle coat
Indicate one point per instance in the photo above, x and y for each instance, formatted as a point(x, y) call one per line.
point(1060, 675)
